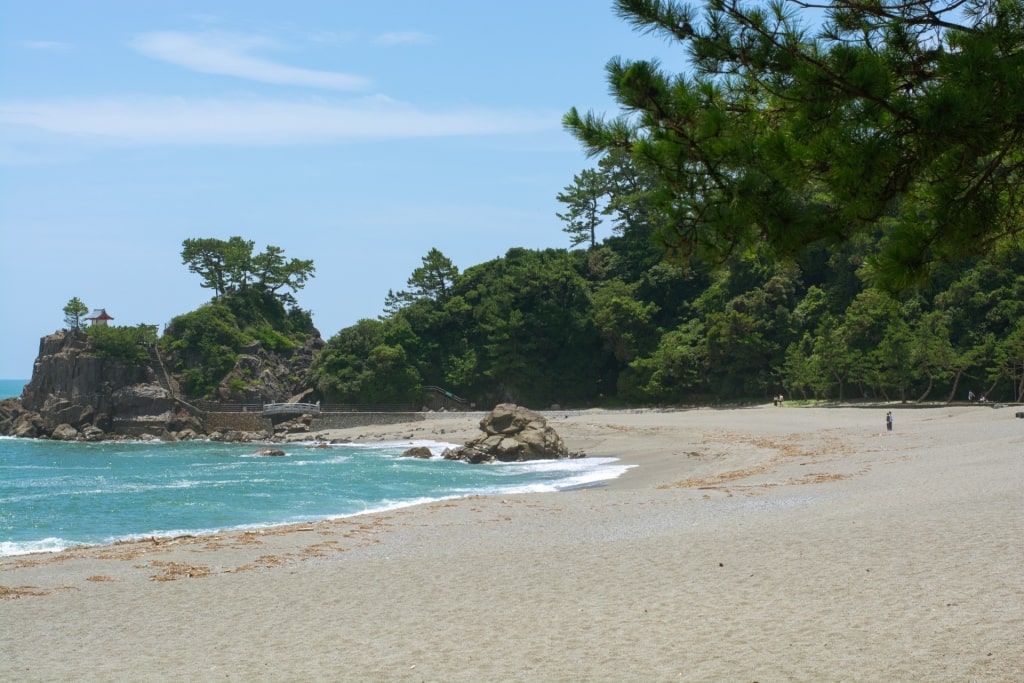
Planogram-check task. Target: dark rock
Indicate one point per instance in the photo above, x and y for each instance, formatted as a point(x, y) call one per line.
point(64, 432)
point(235, 436)
point(297, 425)
point(418, 452)
point(27, 426)
point(511, 433)
point(270, 452)
point(66, 373)
point(183, 421)
point(93, 433)
point(264, 376)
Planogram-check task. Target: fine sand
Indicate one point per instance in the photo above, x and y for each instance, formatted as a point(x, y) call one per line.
point(758, 544)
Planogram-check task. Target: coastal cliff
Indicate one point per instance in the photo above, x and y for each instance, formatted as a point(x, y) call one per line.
point(77, 392)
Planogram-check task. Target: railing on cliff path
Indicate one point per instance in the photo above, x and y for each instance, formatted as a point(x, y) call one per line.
point(291, 408)
point(166, 381)
point(437, 398)
point(159, 369)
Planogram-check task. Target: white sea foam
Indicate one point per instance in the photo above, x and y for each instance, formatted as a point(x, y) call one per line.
point(45, 545)
point(359, 479)
point(333, 460)
point(388, 505)
point(571, 474)
point(389, 447)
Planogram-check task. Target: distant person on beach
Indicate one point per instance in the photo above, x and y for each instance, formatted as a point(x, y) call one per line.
point(888, 421)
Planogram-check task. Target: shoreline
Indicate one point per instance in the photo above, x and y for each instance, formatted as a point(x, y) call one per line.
point(761, 542)
point(310, 449)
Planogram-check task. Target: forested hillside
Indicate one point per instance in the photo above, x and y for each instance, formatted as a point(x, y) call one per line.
point(825, 205)
point(583, 328)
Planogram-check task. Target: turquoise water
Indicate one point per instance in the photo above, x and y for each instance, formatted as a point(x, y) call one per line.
point(54, 495)
point(10, 388)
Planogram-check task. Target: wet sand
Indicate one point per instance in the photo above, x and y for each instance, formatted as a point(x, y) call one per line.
point(757, 544)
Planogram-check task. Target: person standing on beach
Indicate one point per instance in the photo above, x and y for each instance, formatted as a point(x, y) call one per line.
point(888, 421)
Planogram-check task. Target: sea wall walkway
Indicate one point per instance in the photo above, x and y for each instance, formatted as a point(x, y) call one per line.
point(254, 421)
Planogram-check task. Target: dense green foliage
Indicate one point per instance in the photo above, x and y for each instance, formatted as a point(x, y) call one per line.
point(206, 343)
point(515, 328)
point(128, 344)
point(565, 327)
point(248, 308)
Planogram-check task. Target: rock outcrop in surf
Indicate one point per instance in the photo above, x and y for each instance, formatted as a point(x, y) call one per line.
point(512, 433)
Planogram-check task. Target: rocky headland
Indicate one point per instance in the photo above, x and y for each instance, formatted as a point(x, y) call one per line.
point(78, 394)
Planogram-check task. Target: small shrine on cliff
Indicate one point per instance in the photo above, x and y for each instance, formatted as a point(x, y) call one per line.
point(99, 317)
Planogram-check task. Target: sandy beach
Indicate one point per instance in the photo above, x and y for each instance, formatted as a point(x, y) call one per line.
point(749, 544)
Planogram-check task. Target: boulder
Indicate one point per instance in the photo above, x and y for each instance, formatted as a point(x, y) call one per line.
point(511, 433)
point(418, 452)
point(27, 426)
point(296, 425)
point(93, 433)
point(64, 432)
point(235, 436)
point(182, 421)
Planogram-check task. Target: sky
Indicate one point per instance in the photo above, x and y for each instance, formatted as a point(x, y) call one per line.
point(360, 135)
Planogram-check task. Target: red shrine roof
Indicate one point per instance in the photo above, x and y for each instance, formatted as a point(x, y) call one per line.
point(100, 314)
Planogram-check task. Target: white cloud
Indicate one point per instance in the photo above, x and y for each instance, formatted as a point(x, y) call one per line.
point(403, 38)
point(257, 122)
point(228, 54)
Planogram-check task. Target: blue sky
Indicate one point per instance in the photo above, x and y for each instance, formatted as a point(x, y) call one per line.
point(360, 135)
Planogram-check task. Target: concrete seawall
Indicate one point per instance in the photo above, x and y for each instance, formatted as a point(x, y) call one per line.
point(255, 422)
point(240, 422)
point(346, 420)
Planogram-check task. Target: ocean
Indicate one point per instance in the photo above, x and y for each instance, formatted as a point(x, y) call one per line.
point(11, 387)
point(54, 495)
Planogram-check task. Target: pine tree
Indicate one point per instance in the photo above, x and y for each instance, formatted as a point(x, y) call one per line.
point(899, 121)
point(74, 312)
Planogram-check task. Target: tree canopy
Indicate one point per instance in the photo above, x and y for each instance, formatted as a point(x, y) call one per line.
point(432, 280)
point(897, 121)
point(248, 309)
point(230, 265)
point(586, 327)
